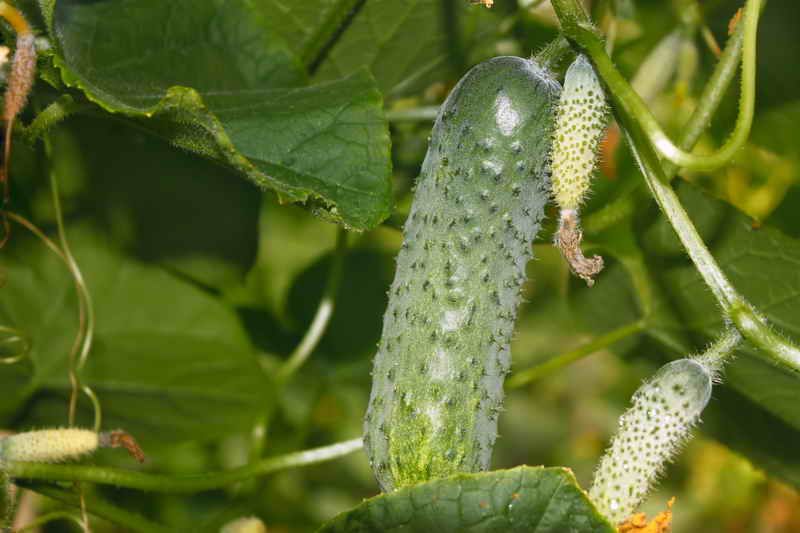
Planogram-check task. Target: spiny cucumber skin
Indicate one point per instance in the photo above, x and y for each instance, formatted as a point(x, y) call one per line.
point(581, 121)
point(650, 434)
point(438, 374)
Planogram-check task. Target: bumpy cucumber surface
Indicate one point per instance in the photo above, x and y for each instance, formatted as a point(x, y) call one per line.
point(580, 124)
point(438, 374)
point(650, 434)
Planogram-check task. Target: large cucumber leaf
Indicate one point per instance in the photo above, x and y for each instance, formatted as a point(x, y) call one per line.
point(544, 500)
point(169, 361)
point(213, 78)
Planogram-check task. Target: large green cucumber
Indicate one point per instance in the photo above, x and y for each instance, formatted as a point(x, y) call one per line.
point(438, 375)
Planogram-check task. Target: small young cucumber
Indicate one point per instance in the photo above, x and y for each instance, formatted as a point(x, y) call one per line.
point(650, 434)
point(63, 444)
point(49, 445)
point(580, 125)
point(438, 374)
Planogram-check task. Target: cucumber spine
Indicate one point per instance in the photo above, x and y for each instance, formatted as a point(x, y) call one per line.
point(444, 353)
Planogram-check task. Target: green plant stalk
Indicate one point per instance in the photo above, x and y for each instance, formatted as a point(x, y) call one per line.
point(721, 350)
point(179, 484)
point(707, 105)
point(711, 96)
point(305, 348)
point(61, 109)
point(750, 322)
point(100, 508)
point(527, 376)
point(83, 291)
point(747, 319)
point(323, 315)
point(577, 26)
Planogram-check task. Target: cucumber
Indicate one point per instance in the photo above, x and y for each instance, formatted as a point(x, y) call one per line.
point(49, 445)
point(438, 373)
point(63, 444)
point(651, 433)
point(580, 126)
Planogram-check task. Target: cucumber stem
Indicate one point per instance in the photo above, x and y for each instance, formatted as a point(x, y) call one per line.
point(633, 117)
point(180, 484)
point(576, 25)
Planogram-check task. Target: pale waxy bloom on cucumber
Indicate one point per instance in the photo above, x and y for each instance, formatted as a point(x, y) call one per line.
point(249, 524)
point(651, 433)
point(62, 444)
point(580, 124)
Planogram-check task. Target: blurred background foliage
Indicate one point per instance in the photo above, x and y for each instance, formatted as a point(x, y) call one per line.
point(203, 285)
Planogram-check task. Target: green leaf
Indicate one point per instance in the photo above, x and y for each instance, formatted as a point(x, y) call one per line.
point(776, 130)
point(521, 499)
point(137, 195)
point(406, 44)
point(309, 26)
point(169, 362)
point(401, 41)
point(755, 433)
point(212, 78)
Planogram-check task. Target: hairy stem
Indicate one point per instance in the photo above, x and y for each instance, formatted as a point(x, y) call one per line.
point(707, 105)
point(61, 109)
point(721, 350)
point(179, 484)
point(750, 323)
point(575, 23)
point(711, 96)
